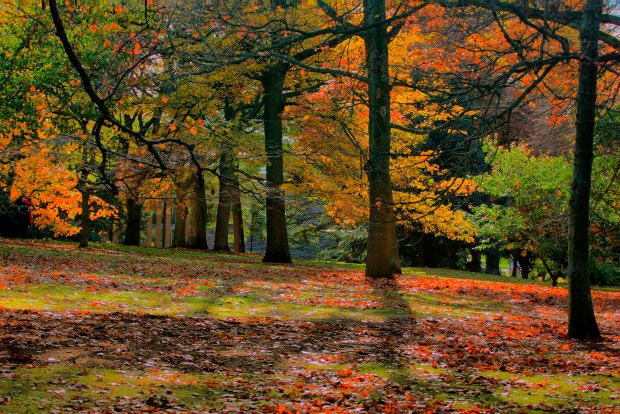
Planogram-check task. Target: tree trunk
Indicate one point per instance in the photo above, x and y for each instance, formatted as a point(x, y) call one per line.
point(85, 219)
point(273, 105)
point(492, 263)
point(179, 224)
point(196, 231)
point(581, 319)
point(237, 216)
point(382, 259)
point(525, 262)
point(515, 264)
point(475, 265)
point(134, 217)
point(224, 200)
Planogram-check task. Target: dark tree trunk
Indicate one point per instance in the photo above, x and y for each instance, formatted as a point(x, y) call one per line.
point(525, 262)
point(273, 105)
point(492, 263)
point(224, 200)
point(237, 216)
point(382, 259)
point(85, 219)
point(134, 217)
point(581, 319)
point(475, 265)
point(179, 224)
point(196, 233)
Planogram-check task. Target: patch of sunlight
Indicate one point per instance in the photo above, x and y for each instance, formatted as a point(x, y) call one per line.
point(557, 390)
point(257, 307)
point(43, 388)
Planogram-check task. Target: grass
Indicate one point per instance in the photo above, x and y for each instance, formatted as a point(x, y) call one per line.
point(125, 328)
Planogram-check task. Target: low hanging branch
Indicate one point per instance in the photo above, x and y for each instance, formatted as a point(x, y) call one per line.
point(106, 115)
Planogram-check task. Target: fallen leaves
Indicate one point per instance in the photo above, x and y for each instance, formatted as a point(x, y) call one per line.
point(416, 344)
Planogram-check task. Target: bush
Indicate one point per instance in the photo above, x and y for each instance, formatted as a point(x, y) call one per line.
point(351, 246)
point(604, 274)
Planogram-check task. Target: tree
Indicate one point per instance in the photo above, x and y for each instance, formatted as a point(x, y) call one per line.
point(581, 319)
point(382, 259)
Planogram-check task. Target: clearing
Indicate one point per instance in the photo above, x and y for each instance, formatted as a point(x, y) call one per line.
point(115, 329)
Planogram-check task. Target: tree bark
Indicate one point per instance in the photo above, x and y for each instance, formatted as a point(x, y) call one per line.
point(382, 259)
point(475, 265)
point(492, 263)
point(224, 199)
point(273, 105)
point(134, 217)
point(85, 219)
point(237, 216)
point(179, 224)
point(581, 319)
point(196, 232)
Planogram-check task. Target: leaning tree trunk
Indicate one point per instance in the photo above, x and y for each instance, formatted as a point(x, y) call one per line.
point(382, 259)
point(237, 216)
point(134, 217)
point(196, 232)
point(581, 319)
point(273, 105)
point(224, 200)
point(85, 219)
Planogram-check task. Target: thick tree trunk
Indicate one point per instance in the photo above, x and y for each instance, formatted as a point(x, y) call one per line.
point(581, 319)
point(382, 259)
point(134, 217)
point(475, 265)
point(85, 219)
point(492, 262)
point(179, 224)
point(273, 105)
point(196, 231)
point(224, 200)
point(237, 216)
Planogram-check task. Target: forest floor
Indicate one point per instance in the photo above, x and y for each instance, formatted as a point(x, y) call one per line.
point(115, 329)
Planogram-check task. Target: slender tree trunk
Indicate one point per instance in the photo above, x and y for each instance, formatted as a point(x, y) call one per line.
point(492, 263)
point(224, 200)
point(237, 216)
point(273, 105)
point(525, 262)
point(85, 219)
point(134, 217)
point(196, 233)
point(382, 259)
point(581, 319)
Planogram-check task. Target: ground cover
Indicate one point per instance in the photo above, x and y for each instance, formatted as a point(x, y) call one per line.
point(110, 328)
